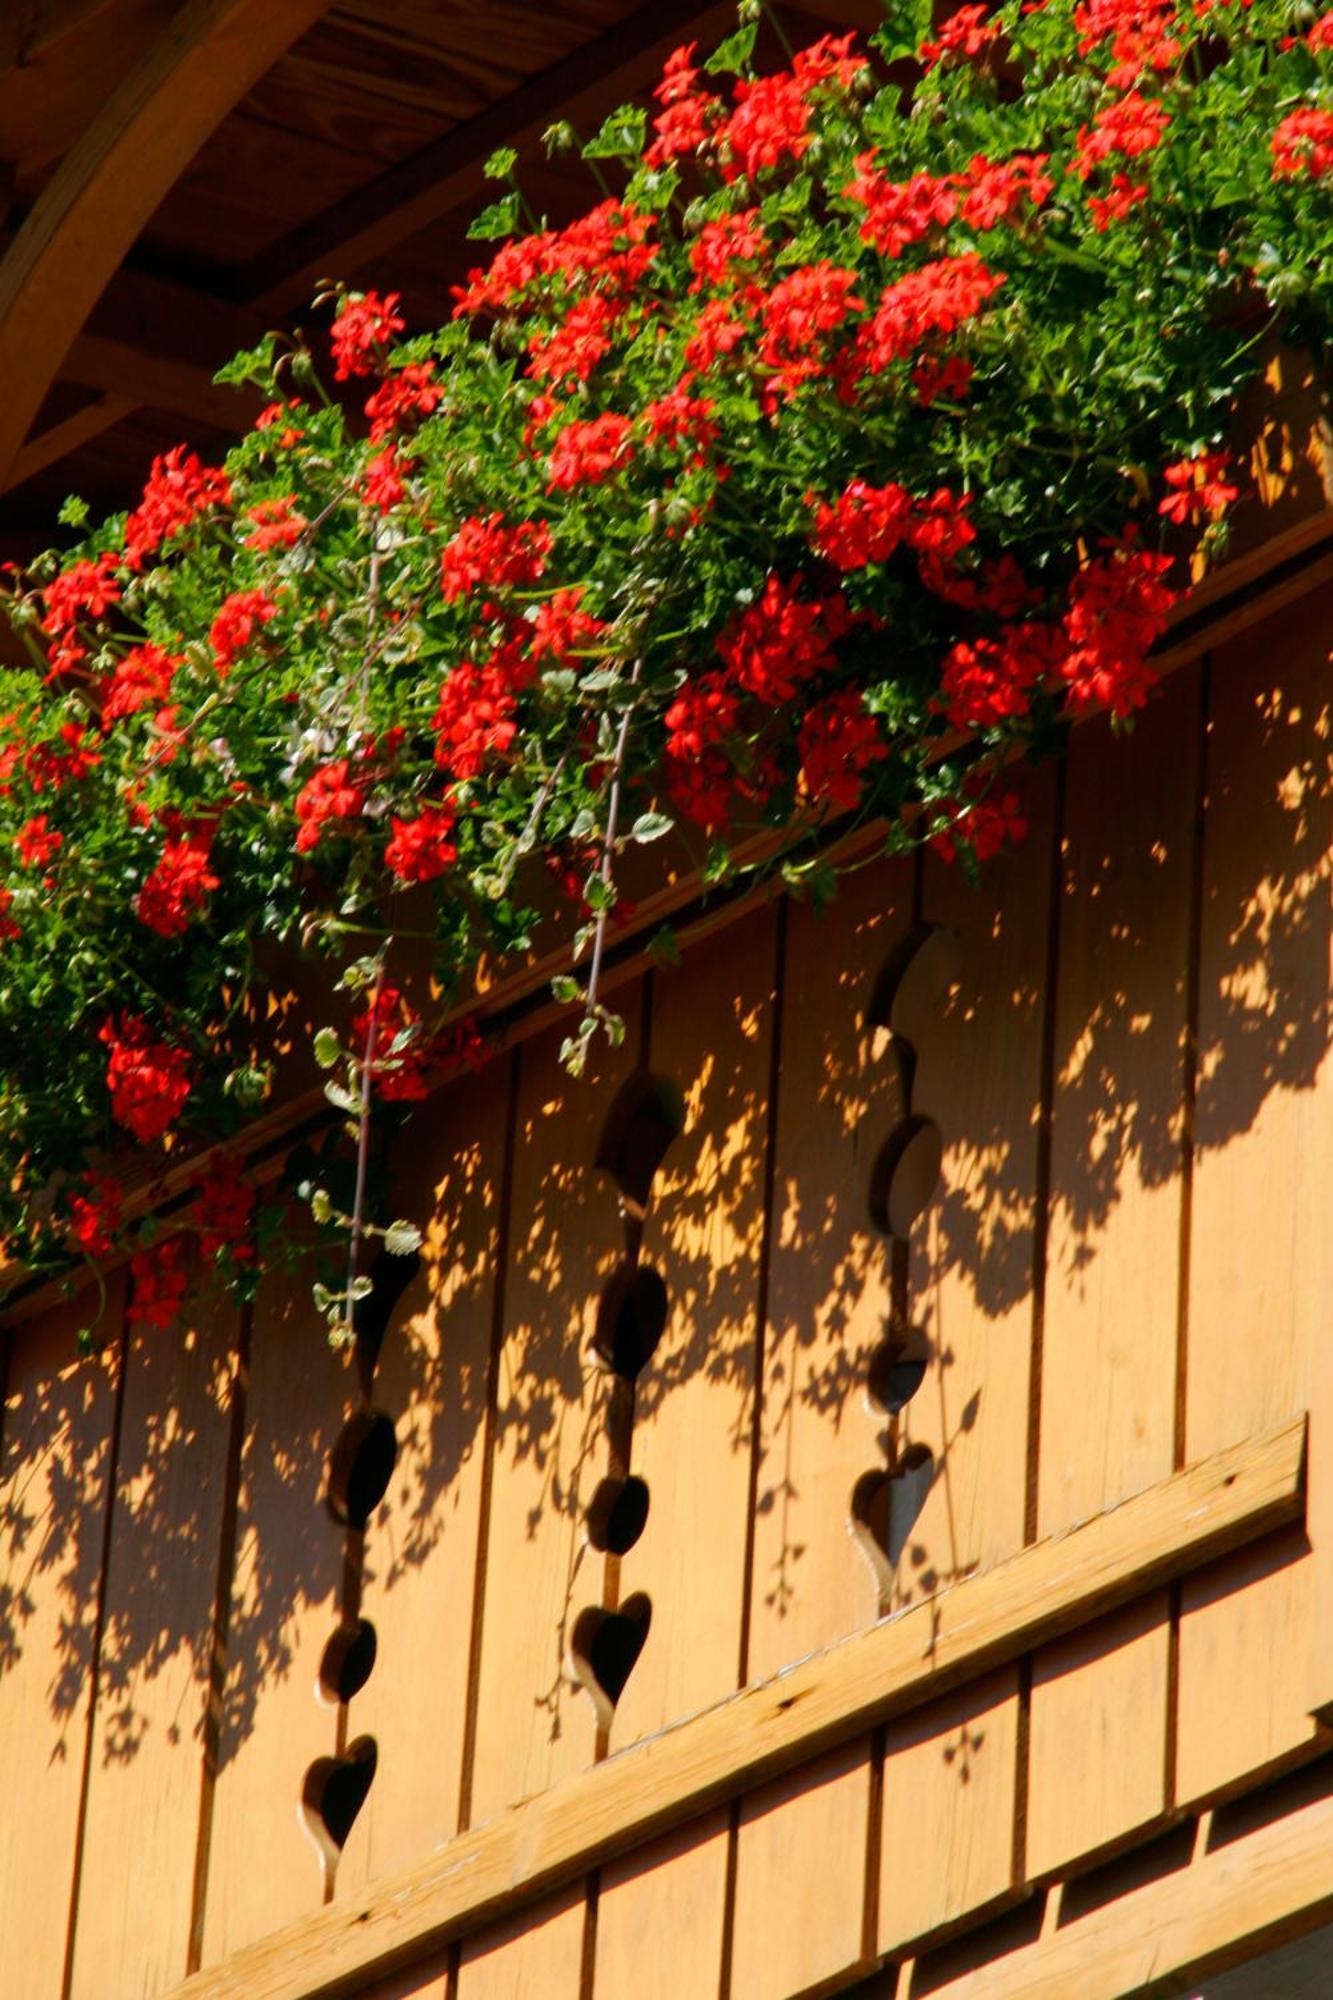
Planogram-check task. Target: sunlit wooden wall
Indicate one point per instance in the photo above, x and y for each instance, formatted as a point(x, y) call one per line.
point(1123, 1057)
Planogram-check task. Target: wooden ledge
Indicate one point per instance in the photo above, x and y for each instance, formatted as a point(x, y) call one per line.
point(1186, 1520)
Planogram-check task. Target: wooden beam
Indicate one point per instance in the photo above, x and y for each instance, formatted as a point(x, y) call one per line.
point(58, 440)
point(108, 186)
point(1231, 1902)
point(770, 1727)
point(582, 87)
point(179, 387)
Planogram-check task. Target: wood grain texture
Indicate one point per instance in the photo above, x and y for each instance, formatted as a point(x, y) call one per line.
point(771, 1727)
point(828, 1306)
point(264, 1866)
point(711, 1032)
point(660, 1915)
point(1229, 1903)
point(147, 1765)
point(108, 185)
point(979, 1075)
point(55, 1449)
point(1113, 1292)
point(534, 1726)
point(421, 1545)
point(538, 1952)
point(1257, 1252)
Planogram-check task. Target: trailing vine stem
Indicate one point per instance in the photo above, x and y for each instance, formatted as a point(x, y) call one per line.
point(609, 844)
point(362, 1150)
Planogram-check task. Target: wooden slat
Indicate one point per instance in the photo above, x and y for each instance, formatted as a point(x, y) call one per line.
point(1231, 1901)
point(661, 1915)
point(665, 1780)
point(421, 1546)
point(1108, 1425)
point(1265, 1099)
point(50, 446)
point(55, 1447)
point(712, 1031)
point(108, 185)
point(538, 1952)
point(828, 1306)
point(533, 1725)
point(147, 1764)
point(979, 1075)
point(264, 1867)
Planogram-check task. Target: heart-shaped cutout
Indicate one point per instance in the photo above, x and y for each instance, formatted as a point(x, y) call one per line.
point(647, 1115)
point(361, 1466)
point(390, 1277)
point(348, 1660)
point(914, 982)
point(605, 1648)
point(885, 1507)
point(617, 1514)
point(335, 1791)
point(906, 1174)
point(631, 1319)
point(897, 1370)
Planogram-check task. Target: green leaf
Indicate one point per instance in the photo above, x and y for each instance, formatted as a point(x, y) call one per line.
point(650, 826)
point(321, 1207)
point(733, 55)
point(74, 513)
point(402, 1238)
point(340, 1096)
point(500, 219)
point(565, 988)
point(621, 136)
point(327, 1047)
point(664, 946)
point(501, 164)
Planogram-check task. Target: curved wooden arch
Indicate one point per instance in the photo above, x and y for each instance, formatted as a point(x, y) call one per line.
point(109, 184)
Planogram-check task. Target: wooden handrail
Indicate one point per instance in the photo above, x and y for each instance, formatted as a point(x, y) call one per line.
point(904, 1661)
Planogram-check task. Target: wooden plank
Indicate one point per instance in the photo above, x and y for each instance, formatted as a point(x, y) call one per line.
point(55, 1448)
point(538, 1952)
point(50, 446)
point(1229, 1903)
point(829, 1300)
point(712, 1024)
point(712, 1035)
point(661, 1914)
point(775, 1725)
point(533, 1725)
point(264, 1867)
point(979, 1075)
point(108, 185)
point(1113, 1295)
point(421, 1546)
point(1265, 1098)
point(147, 1765)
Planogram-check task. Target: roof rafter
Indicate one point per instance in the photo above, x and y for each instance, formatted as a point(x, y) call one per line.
point(109, 184)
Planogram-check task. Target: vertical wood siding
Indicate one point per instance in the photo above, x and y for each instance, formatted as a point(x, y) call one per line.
point(1121, 1271)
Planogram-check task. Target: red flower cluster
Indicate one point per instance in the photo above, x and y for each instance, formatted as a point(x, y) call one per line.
point(37, 842)
point(1114, 206)
point(688, 115)
point(837, 742)
point(141, 678)
point(238, 620)
point(274, 524)
point(984, 823)
point(9, 928)
point(799, 314)
point(585, 452)
point(398, 1075)
point(158, 1283)
point(968, 32)
point(938, 299)
point(722, 245)
point(224, 1209)
point(487, 552)
point(1117, 610)
point(95, 1215)
point(781, 640)
point(865, 524)
point(569, 352)
point(409, 393)
point(329, 795)
point(179, 489)
point(89, 586)
point(1132, 126)
point(475, 716)
point(1139, 33)
point(362, 328)
point(383, 486)
point(149, 1081)
point(1303, 144)
point(1198, 488)
point(984, 682)
point(422, 848)
point(178, 888)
